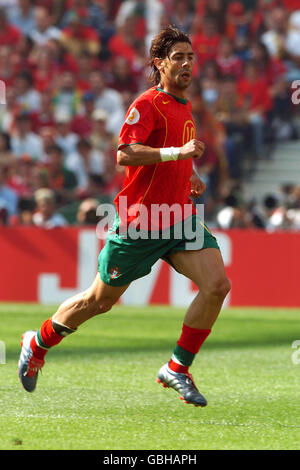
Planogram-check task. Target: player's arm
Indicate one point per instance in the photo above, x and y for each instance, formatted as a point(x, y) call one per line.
point(198, 186)
point(138, 154)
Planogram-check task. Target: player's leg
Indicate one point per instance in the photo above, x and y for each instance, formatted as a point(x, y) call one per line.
point(97, 299)
point(206, 269)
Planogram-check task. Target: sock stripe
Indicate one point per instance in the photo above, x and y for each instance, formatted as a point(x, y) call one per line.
point(183, 356)
point(48, 335)
point(188, 345)
point(177, 367)
point(39, 341)
point(61, 329)
point(175, 359)
point(44, 339)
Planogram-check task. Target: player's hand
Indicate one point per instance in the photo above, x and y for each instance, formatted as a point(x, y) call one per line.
point(192, 149)
point(197, 186)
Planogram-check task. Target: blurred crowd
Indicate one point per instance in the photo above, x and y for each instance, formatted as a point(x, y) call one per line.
point(277, 211)
point(72, 68)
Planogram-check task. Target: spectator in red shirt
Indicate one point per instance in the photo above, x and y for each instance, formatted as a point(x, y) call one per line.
point(253, 90)
point(85, 64)
point(20, 179)
point(123, 79)
point(213, 165)
point(206, 44)
point(8, 67)
point(78, 37)
point(48, 4)
point(291, 5)
point(270, 68)
point(44, 117)
point(123, 42)
point(43, 70)
point(259, 17)
point(215, 9)
point(95, 16)
point(61, 59)
point(82, 122)
point(255, 99)
point(237, 20)
point(22, 53)
point(9, 35)
point(228, 62)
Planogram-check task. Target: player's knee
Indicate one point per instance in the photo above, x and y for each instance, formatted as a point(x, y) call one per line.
point(103, 306)
point(219, 288)
point(226, 286)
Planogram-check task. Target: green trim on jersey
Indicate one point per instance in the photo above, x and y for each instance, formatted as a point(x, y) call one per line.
point(180, 100)
point(128, 145)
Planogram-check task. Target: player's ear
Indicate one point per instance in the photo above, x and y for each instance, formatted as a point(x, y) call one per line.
point(159, 63)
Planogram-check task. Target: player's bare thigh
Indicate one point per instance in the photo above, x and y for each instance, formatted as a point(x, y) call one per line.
point(97, 299)
point(205, 268)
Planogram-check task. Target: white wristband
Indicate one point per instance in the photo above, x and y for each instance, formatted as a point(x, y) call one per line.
point(169, 153)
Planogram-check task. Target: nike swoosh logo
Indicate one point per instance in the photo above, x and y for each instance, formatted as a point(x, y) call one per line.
point(166, 102)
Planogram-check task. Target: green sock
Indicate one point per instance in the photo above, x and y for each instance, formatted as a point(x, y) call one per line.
point(183, 356)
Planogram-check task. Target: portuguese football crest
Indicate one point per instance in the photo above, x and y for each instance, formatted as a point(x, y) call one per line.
point(114, 272)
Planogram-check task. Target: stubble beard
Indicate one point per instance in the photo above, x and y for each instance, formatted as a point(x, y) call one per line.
point(182, 84)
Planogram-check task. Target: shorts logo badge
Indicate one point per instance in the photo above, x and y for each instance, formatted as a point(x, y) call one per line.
point(115, 272)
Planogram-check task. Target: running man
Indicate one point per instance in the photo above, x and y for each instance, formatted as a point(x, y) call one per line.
point(157, 145)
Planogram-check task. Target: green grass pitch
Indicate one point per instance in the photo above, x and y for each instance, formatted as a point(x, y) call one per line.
point(98, 389)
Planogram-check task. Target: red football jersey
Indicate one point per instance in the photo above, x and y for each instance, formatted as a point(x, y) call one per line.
point(158, 119)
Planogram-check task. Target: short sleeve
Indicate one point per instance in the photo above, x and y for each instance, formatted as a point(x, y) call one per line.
point(138, 124)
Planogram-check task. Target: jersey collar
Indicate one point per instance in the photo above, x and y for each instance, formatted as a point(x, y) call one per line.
point(180, 100)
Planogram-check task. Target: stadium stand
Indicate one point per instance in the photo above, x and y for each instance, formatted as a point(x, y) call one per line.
point(71, 67)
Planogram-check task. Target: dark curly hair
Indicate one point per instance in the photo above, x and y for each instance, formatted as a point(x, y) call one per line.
point(161, 45)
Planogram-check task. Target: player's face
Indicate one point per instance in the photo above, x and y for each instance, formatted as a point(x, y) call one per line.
point(178, 66)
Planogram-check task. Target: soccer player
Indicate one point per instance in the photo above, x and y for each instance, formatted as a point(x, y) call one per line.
point(157, 145)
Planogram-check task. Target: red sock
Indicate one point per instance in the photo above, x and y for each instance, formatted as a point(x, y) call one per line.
point(178, 367)
point(45, 338)
point(188, 346)
point(191, 339)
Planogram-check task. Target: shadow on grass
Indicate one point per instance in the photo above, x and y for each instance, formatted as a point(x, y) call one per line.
point(155, 346)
